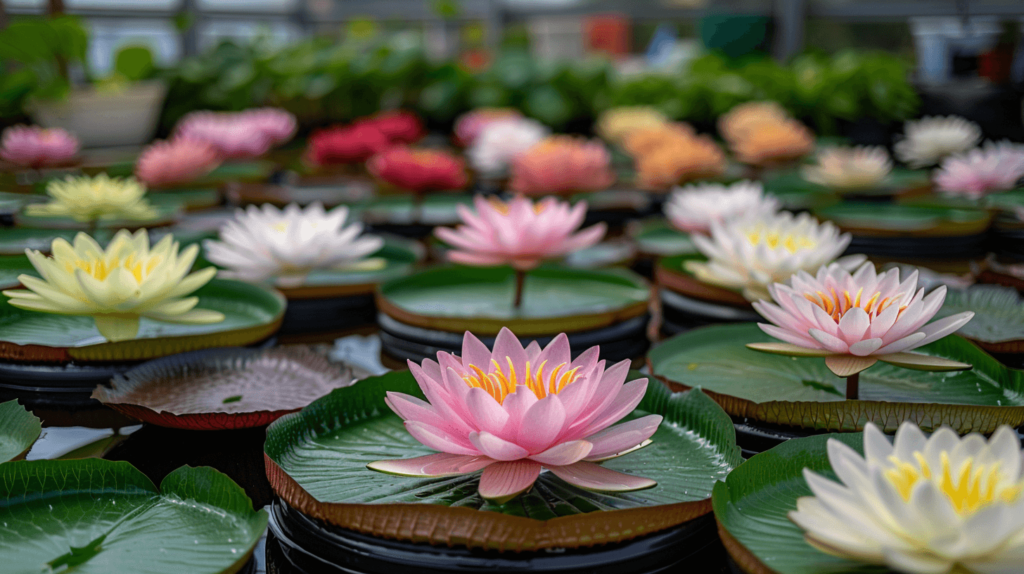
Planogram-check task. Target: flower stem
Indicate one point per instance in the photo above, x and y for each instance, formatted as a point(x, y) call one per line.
point(853, 387)
point(520, 280)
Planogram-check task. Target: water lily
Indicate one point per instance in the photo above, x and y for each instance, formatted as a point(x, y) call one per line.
point(978, 172)
point(116, 286)
point(500, 142)
point(920, 505)
point(89, 199)
point(175, 162)
point(751, 253)
point(469, 125)
point(927, 141)
point(264, 243)
point(645, 140)
point(855, 320)
point(694, 207)
point(562, 165)
point(235, 134)
point(615, 124)
point(341, 145)
point(773, 142)
point(519, 232)
point(850, 168)
point(277, 124)
point(679, 161)
point(35, 147)
point(399, 126)
point(418, 170)
point(514, 411)
point(735, 124)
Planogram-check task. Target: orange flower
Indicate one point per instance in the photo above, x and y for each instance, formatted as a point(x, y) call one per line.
point(775, 142)
point(745, 117)
point(681, 160)
point(645, 140)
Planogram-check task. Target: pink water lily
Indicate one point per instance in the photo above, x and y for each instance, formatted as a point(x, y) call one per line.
point(520, 232)
point(245, 134)
point(175, 162)
point(974, 174)
point(277, 124)
point(857, 320)
point(36, 147)
point(515, 411)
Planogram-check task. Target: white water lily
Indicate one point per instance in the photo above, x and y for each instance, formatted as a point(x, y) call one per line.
point(95, 198)
point(116, 286)
point(264, 243)
point(850, 168)
point(693, 208)
point(502, 141)
point(921, 505)
point(751, 253)
point(928, 140)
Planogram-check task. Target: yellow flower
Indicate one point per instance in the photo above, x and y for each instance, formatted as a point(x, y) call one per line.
point(118, 286)
point(91, 198)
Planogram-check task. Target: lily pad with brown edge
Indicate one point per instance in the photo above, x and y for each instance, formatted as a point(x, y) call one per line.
point(671, 273)
point(97, 516)
point(660, 239)
point(905, 220)
point(13, 266)
point(752, 506)
point(479, 299)
point(802, 392)
point(397, 257)
point(166, 213)
point(224, 389)
point(14, 241)
point(19, 430)
point(900, 182)
point(998, 322)
point(252, 313)
point(316, 461)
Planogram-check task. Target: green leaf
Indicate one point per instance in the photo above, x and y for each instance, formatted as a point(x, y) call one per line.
point(98, 516)
point(998, 312)
point(134, 63)
point(905, 217)
point(19, 429)
point(338, 435)
point(803, 392)
point(753, 502)
point(11, 267)
point(660, 238)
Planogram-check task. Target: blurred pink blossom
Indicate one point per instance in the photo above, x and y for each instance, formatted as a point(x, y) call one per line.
point(175, 162)
point(36, 147)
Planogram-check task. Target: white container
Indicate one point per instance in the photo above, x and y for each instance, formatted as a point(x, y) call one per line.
point(105, 118)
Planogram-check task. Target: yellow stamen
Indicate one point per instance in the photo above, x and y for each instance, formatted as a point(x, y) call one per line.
point(500, 383)
point(969, 488)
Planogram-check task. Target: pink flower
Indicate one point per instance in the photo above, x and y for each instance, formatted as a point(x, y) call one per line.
point(279, 125)
point(245, 134)
point(345, 144)
point(513, 411)
point(418, 170)
point(175, 162)
point(471, 124)
point(993, 167)
point(856, 320)
point(36, 147)
point(400, 126)
point(519, 233)
point(562, 165)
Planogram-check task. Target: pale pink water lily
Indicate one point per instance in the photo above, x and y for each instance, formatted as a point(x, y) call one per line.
point(175, 162)
point(36, 147)
point(693, 208)
point(245, 134)
point(855, 320)
point(520, 232)
point(515, 411)
point(848, 168)
point(279, 125)
point(991, 168)
point(470, 124)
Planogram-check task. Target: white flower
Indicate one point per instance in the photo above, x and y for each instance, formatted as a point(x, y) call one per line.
point(501, 141)
point(850, 168)
point(921, 505)
point(264, 243)
point(751, 253)
point(692, 208)
point(928, 140)
point(116, 286)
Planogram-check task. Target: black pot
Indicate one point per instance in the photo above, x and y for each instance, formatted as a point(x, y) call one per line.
point(681, 313)
point(755, 437)
point(306, 316)
point(957, 248)
point(298, 544)
point(61, 394)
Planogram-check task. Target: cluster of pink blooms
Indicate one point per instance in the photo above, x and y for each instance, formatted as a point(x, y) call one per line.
point(470, 124)
point(561, 165)
point(176, 162)
point(991, 168)
point(35, 147)
point(246, 134)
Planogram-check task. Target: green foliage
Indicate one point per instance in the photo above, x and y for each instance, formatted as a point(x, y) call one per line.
point(34, 55)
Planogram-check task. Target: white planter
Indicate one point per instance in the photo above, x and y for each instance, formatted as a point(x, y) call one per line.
point(105, 119)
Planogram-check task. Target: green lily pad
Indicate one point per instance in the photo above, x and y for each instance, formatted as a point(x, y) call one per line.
point(15, 240)
point(555, 299)
point(998, 312)
point(11, 266)
point(166, 212)
point(252, 313)
point(325, 448)
point(660, 238)
point(97, 516)
point(189, 198)
point(18, 430)
point(399, 258)
point(255, 170)
point(894, 217)
point(1007, 201)
point(436, 209)
point(792, 181)
point(803, 392)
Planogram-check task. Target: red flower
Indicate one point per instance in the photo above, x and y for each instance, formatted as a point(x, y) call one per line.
point(418, 170)
point(345, 144)
point(399, 126)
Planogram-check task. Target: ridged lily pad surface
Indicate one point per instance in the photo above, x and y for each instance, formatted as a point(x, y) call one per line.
point(998, 312)
point(18, 430)
point(101, 517)
point(752, 504)
point(803, 392)
point(317, 462)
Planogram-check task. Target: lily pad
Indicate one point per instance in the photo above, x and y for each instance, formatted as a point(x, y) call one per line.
point(255, 170)
point(12, 266)
point(252, 313)
point(899, 219)
point(900, 180)
point(436, 209)
point(398, 256)
point(802, 392)
point(281, 195)
point(671, 273)
point(14, 241)
point(661, 239)
point(998, 323)
point(316, 461)
point(218, 389)
point(167, 212)
point(752, 505)
point(479, 299)
point(97, 516)
point(190, 198)
point(18, 430)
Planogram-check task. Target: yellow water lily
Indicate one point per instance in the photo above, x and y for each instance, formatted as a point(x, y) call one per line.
point(89, 199)
point(116, 286)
